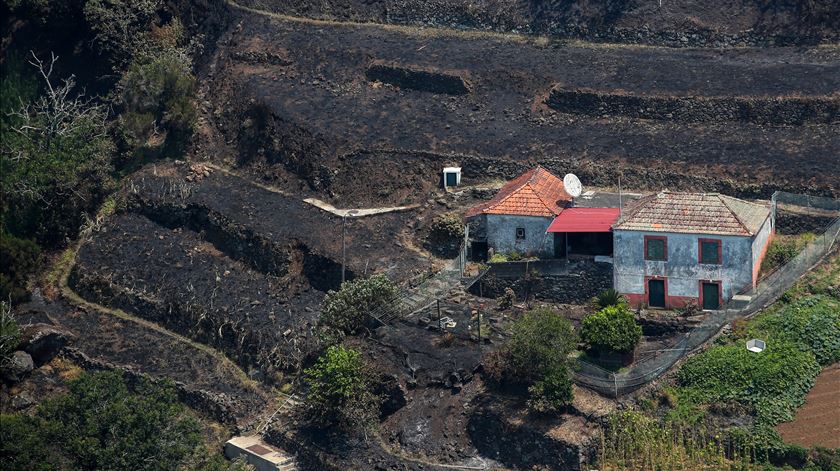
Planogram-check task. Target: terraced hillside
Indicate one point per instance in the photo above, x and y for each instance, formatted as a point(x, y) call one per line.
point(296, 101)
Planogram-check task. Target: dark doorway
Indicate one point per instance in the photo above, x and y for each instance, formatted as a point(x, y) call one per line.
point(591, 243)
point(656, 293)
point(711, 296)
point(559, 245)
point(451, 179)
point(479, 251)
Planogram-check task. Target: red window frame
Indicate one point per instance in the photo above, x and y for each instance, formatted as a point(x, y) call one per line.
point(665, 251)
point(719, 251)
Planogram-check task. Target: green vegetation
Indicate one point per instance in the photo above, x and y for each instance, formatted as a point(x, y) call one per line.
point(633, 440)
point(609, 297)
point(506, 257)
point(537, 356)
point(612, 329)
point(345, 310)
point(446, 229)
point(107, 422)
point(783, 249)
point(340, 387)
point(9, 333)
point(20, 258)
point(121, 29)
point(156, 95)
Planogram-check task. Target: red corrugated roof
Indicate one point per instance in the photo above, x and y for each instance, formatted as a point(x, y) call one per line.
point(534, 193)
point(585, 220)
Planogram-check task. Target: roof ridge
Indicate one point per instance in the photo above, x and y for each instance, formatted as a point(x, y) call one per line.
point(734, 213)
point(540, 197)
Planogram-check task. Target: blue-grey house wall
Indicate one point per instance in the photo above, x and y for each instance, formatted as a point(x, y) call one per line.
point(501, 234)
point(682, 270)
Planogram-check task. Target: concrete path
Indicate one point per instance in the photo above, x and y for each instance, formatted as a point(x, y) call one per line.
point(358, 212)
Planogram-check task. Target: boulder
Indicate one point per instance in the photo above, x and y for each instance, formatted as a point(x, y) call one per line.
point(19, 365)
point(44, 341)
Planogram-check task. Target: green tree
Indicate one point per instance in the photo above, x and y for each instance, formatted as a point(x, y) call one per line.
point(103, 424)
point(121, 28)
point(537, 355)
point(157, 94)
point(340, 388)
point(54, 161)
point(345, 309)
point(613, 329)
point(106, 422)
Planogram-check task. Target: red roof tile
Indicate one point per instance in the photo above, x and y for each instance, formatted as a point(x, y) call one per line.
point(534, 193)
point(702, 213)
point(585, 220)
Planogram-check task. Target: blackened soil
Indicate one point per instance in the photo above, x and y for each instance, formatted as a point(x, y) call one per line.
point(675, 23)
point(253, 224)
point(173, 277)
point(503, 125)
point(129, 345)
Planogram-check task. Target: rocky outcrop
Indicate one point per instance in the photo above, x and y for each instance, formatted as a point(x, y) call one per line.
point(17, 367)
point(43, 341)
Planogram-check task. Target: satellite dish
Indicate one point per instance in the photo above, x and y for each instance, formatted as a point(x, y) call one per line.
point(572, 184)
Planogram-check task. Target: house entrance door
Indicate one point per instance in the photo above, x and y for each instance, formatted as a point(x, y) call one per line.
point(711, 296)
point(656, 293)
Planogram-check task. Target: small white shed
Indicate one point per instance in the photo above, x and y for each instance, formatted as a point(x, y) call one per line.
point(451, 176)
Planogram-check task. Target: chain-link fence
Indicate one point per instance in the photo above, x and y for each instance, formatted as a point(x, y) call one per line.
point(647, 368)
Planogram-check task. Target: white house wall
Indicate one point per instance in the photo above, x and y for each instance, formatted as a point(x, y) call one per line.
point(501, 234)
point(682, 269)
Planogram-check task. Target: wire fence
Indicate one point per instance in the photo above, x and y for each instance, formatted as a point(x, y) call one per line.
point(648, 368)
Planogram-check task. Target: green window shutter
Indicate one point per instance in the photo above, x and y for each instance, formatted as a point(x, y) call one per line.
point(655, 249)
point(709, 252)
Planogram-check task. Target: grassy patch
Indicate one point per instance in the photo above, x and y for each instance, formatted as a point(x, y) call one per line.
point(782, 249)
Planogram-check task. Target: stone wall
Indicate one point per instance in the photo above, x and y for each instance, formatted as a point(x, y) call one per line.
point(762, 110)
point(418, 79)
point(585, 281)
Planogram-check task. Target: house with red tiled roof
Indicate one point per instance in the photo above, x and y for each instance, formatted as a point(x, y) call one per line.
point(516, 219)
point(673, 249)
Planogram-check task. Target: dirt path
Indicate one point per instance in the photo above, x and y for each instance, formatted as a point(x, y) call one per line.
point(818, 421)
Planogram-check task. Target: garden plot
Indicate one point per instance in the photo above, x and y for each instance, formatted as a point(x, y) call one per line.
point(175, 278)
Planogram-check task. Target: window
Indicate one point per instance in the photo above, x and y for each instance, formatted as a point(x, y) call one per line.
point(520, 233)
point(656, 248)
point(710, 251)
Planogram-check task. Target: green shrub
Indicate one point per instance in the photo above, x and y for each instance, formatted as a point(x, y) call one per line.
point(54, 163)
point(537, 355)
point(345, 309)
point(340, 388)
point(121, 28)
point(9, 333)
point(157, 93)
point(783, 249)
point(446, 228)
point(105, 421)
point(498, 258)
point(609, 297)
point(774, 382)
point(19, 258)
point(811, 323)
point(613, 329)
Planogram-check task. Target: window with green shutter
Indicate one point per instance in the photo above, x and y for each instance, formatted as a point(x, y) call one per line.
point(710, 251)
point(656, 248)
